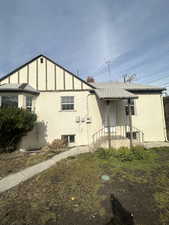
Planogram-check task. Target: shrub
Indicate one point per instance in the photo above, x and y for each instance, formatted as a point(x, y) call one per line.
point(58, 144)
point(14, 124)
point(123, 154)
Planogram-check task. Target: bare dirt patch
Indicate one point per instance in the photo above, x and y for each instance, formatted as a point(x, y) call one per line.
point(16, 161)
point(73, 192)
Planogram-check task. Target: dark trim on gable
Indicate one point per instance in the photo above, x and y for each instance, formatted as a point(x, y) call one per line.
point(4, 77)
point(28, 73)
point(18, 68)
point(46, 74)
point(18, 76)
point(37, 74)
point(64, 82)
point(73, 83)
point(69, 72)
point(55, 76)
point(18, 91)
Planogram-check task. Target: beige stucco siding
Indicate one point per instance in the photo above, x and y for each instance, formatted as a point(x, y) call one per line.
point(56, 122)
point(149, 117)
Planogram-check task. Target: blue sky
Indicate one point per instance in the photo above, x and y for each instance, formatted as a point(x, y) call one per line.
point(83, 34)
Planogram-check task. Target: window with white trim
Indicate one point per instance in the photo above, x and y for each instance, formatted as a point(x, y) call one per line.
point(9, 101)
point(29, 103)
point(67, 103)
point(132, 106)
point(70, 138)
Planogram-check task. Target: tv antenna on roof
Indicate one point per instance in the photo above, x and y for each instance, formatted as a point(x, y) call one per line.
point(108, 62)
point(128, 78)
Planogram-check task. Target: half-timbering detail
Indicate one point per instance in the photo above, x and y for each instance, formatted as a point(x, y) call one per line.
point(45, 76)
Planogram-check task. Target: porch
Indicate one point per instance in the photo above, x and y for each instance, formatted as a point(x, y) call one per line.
point(117, 108)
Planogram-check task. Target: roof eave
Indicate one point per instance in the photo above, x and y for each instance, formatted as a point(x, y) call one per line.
point(19, 91)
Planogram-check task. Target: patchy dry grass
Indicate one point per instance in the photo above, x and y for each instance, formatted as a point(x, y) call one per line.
point(16, 161)
point(72, 192)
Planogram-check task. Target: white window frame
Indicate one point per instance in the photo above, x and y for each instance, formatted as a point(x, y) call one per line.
point(29, 107)
point(69, 137)
point(133, 108)
point(8, 95)
point(68, 103)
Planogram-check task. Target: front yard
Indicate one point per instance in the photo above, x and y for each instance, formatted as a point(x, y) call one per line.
point(74, 193)
point(16, 161)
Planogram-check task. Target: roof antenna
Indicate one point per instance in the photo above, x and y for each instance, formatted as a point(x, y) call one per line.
point(128, 78)
point(108, 62)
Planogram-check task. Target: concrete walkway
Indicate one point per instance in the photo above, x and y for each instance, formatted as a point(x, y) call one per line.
point(156, 144)
point(16, 178)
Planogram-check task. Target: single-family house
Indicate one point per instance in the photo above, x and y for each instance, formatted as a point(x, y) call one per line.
point(82, 113)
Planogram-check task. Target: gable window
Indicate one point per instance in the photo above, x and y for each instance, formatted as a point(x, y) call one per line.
point(70, 138)
point(132, 105)
point(29, 103)
point(9, 101)
point(67, 103)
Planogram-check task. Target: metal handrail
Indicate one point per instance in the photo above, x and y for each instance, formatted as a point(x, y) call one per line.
point(117, 132)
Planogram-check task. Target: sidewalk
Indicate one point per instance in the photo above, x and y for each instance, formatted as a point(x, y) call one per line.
point(14, 179)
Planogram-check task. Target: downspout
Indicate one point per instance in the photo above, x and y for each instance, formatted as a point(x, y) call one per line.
point(163, 118)
point(87, 108)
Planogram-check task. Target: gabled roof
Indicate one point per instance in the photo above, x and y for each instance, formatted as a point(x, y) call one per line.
point(119, 90)
point(28, 62)
point(128, 86)
point(114, 93)
point(24, 87)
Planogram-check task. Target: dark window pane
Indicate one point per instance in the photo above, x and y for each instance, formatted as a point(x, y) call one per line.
point(72, 138)
point(132, 110)
point(67, 99)
point(9, 101)
point(68, 138)
point(127, 110)
point(29, 103)
point(67, 106)
point(134, 135)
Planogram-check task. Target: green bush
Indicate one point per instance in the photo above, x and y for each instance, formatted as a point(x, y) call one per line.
point(123, 154)
point(14, 124)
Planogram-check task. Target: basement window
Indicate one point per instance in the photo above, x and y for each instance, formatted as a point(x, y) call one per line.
point(67, 103)
point(70, 138)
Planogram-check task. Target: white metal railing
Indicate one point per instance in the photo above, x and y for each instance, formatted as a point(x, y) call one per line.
point(117, 133)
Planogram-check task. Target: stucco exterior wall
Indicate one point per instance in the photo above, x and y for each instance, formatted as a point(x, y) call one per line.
point(53, 81)
point(53, 122)
point(150, 117)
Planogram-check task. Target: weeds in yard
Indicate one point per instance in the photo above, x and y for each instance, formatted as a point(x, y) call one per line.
point(124, 154)
point(162, 195)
